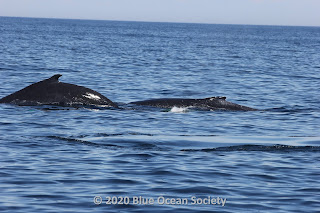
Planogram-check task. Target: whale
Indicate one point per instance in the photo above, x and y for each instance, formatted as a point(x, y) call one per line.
point(53, 92)
point(211, 103)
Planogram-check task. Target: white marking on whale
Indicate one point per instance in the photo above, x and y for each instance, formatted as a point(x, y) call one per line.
point(91, 96)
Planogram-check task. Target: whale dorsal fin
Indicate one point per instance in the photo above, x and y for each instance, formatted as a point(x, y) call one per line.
point(55, 77)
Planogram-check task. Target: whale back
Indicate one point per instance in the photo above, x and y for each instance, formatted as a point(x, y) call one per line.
point(211, 103)
point(53, 92)
point(220, 103)
point(166, 102)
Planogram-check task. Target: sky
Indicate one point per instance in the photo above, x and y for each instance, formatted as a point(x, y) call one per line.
point(256, 12)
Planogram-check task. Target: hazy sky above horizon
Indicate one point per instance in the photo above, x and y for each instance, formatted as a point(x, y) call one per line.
point(258, 12)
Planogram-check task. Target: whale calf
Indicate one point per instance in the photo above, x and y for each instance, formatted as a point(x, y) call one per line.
point(212, 103)
point(53, 92)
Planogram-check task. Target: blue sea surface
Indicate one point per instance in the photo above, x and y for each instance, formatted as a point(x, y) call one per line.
point(66, 159)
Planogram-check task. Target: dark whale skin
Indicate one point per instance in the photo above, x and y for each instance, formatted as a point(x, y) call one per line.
point(53, 92)
point(212, 103)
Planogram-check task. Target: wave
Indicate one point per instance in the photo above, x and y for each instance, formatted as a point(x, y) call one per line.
point(263, 148)
point(193, 143)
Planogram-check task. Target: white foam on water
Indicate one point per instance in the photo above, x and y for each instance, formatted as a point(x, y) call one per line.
point(179, 109)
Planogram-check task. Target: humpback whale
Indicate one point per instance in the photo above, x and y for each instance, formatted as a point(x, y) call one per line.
point(212, 103)
point(53, 92)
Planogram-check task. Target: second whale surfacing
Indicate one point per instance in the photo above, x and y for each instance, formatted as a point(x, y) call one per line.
point(53, 92)
point(212, 103)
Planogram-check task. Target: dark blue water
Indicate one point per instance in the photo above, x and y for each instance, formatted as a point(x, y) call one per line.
point(263, 161)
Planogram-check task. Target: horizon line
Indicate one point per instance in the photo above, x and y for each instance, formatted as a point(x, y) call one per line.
point(173, 22)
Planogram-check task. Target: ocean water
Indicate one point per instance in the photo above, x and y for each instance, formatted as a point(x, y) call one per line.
point(119, 160)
